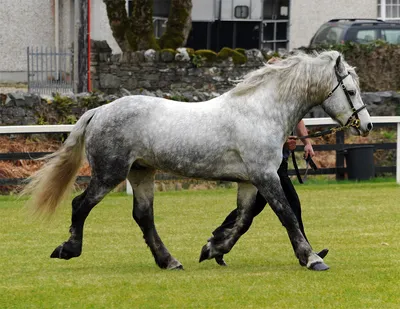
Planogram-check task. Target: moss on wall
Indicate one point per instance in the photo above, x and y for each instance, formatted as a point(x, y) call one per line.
point(209, 55)
point(237, 56)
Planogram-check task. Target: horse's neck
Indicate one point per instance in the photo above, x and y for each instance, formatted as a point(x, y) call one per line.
point(288, 112)
point(295, 111)
point(300, 102)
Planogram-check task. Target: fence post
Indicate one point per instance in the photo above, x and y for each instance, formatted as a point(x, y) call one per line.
point(398, 154)
point(339, 155)
point(29, 69)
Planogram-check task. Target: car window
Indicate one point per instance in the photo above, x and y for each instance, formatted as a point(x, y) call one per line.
point(328, 35)
point(366, 36)
point(391, 36)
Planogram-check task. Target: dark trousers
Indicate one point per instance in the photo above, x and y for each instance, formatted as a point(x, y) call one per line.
point(291, 196)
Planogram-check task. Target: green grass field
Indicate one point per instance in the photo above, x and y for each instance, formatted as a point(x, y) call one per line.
point(358, 222)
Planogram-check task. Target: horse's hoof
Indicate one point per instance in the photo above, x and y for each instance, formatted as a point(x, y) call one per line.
point(174, 264)
point(178, 267)
point(318, 266)
point(65, 252)
point(220, 260)
point(205, 253)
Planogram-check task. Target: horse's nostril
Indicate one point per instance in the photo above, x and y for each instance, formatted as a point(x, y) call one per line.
point(369, 126)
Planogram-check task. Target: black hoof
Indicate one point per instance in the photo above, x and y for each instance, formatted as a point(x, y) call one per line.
point(318, 266)
point(205, 253)
point(220, 260)
point(65, 252)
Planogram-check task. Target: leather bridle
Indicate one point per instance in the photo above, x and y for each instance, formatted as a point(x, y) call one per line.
point(353, 121)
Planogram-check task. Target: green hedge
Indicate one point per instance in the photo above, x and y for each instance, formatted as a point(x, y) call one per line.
point(377, 64)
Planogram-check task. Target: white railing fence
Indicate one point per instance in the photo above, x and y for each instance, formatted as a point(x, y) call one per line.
point(41, 129)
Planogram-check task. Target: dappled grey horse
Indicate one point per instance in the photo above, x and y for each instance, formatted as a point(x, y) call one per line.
point(237, 136)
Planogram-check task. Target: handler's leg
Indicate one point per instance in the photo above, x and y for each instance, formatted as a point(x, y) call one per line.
point(235, 225)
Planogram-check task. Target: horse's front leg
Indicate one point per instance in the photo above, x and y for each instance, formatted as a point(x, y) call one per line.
point(270, 187)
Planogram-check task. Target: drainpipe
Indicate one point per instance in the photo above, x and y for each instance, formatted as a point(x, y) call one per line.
point(89, 82)
point(76, 43)
point(57, 34)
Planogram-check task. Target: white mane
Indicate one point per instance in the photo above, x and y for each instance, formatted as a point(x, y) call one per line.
point(295, 74)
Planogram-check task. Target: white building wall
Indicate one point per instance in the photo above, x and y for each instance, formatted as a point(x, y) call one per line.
point(100, 27)
point(23, 23)
point(66, 17)
point(306, 16)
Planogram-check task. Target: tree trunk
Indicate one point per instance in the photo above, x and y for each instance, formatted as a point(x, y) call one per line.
point(179, 24)
point(142, 25)
point(119, 22)
point(132, 32)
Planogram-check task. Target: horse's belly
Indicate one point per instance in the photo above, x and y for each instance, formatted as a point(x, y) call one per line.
point(228, 166)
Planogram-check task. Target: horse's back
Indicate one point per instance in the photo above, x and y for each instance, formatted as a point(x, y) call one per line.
point(191, 139)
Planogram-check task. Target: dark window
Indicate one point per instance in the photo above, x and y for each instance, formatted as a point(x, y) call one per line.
point(241, 11)
point(276, 9)
point(247, 35)
point(198, 36)
point(328, 35)
point(160, 7)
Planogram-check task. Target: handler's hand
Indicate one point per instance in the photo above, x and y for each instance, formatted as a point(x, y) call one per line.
point(290, 143)
point(308, 151)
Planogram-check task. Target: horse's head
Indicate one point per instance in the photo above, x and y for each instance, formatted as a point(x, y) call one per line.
point(344, 103)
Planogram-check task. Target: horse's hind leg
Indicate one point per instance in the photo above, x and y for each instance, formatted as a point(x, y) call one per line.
point(235, 225)
point(142, 182)
point(81, 207)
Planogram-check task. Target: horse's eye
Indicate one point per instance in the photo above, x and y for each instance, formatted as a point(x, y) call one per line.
point(352, 92)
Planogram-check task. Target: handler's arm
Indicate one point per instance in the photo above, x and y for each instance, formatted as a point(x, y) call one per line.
point(301, 130)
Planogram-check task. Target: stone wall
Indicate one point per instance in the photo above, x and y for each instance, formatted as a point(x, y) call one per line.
point(22, 108)
point(163, 74)
point(164, 70)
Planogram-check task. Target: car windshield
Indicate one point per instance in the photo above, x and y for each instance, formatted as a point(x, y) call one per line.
point(328, 34)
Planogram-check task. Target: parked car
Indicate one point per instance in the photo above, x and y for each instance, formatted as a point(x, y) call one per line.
point(363, 31)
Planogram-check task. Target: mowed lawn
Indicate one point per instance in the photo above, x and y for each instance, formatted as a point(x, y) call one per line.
point(359, 223)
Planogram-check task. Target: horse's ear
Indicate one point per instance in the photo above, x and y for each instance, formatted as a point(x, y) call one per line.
point(339, 64)
point(338, 59)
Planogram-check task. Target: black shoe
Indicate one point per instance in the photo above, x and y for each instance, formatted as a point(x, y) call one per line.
point(220, 260)
point(321, 254)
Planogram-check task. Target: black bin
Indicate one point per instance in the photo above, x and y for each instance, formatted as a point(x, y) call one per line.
point(360, 162)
